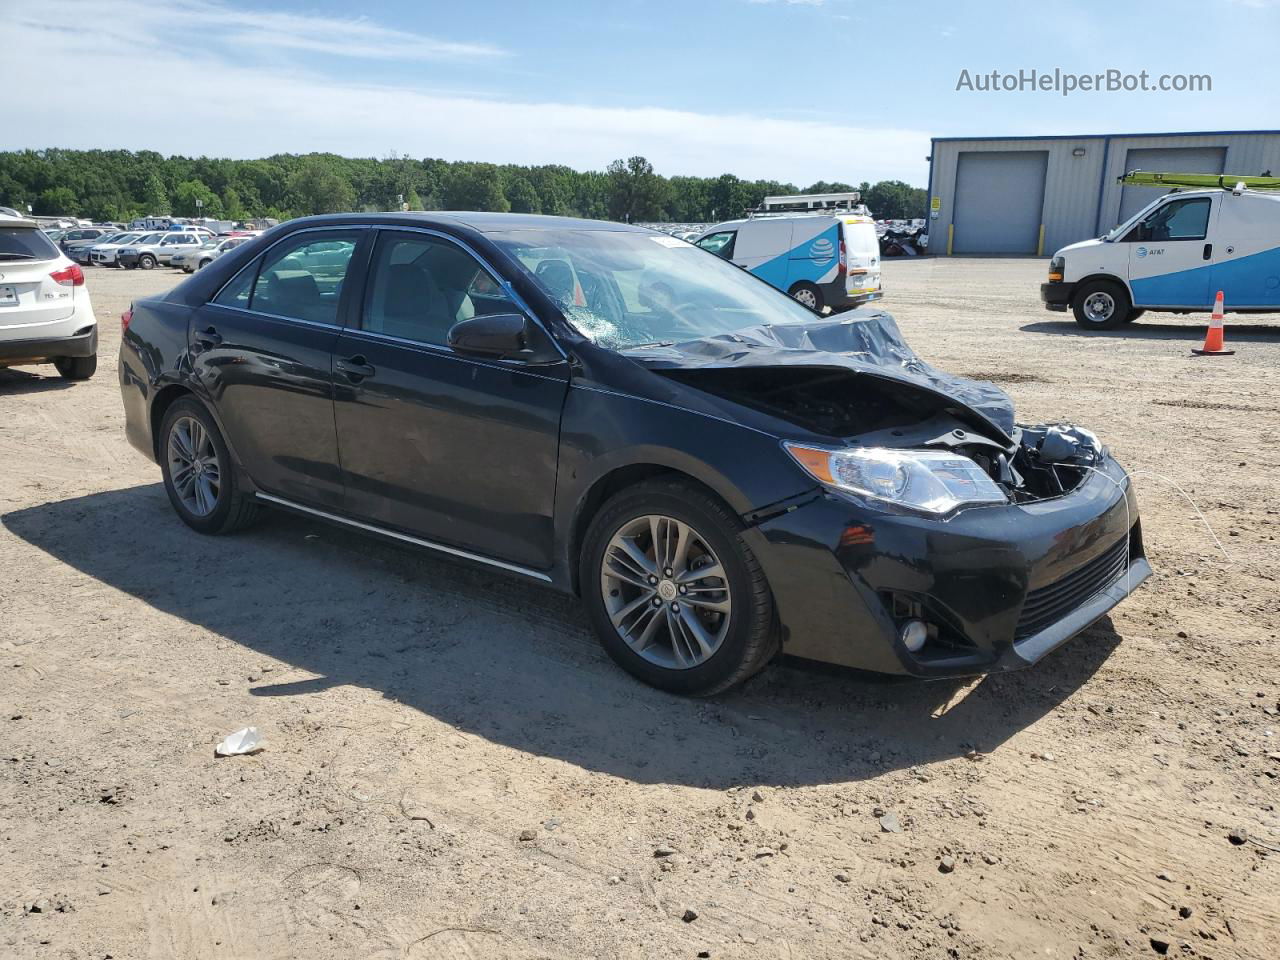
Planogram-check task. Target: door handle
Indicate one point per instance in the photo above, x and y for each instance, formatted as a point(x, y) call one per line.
point(209, 338)
point(1208, 250)
point(355, 368)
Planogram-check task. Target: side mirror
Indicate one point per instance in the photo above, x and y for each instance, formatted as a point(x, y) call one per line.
point(507, 335)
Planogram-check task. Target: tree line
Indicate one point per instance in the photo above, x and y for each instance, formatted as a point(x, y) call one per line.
point(117, 185)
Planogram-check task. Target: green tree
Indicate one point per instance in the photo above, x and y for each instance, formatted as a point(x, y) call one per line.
point(475, 186)
point(154, 198)
point(57, 201)
point(636, 193)
point(192, 198)
point(413, 200)
point(895, 200)
point(232, 207)
point(522, 196)
point(315, 187)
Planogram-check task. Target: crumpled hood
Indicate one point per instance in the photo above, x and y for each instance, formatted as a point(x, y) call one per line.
point(864, 341)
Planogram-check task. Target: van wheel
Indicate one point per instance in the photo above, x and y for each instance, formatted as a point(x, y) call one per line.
point(1134, 315)
point(1101, 305)
point(808, 295)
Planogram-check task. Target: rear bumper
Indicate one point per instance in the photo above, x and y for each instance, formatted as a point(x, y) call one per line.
point(44, 349)
point(1001, 586)
point(1057, 296)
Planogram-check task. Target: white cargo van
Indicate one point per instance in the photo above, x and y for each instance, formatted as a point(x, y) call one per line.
point(824, 260)
point(1173, 256)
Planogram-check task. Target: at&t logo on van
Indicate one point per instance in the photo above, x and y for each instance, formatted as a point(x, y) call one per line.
point(1141, 252)
point(822, 251)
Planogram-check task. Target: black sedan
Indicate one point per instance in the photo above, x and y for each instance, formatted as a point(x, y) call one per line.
point(719, 473)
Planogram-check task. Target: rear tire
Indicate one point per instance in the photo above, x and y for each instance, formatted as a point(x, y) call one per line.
point(76, 368)
point(1101, 305)
point(808, 295)
point(207, 497)
point(742, 638)
point(1134, 315)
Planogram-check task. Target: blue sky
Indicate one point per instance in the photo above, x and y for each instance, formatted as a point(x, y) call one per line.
point(790, 89)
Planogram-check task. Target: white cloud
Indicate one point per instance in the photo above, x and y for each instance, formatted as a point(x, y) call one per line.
point(187, 23)
point(253, 110)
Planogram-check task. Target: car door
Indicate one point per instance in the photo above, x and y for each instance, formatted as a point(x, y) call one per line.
point(1170, 254)
point(451, 448)
point(263, 351)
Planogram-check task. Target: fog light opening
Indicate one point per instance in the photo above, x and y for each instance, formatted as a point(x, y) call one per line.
point(914, 634)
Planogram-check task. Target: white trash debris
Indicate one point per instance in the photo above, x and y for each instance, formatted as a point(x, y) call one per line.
point(242, 741)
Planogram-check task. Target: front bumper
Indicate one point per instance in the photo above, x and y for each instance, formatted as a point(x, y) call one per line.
point(127, 259)
point(1002, 585)
point(1057, 296)
point(43, 349)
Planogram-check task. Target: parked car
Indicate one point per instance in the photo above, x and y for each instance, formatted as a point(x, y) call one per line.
point(46, 315)
point(713, 469)
point(159, 250)
point(186, 258)
point(79, 250)
point(77, 234)
point(1173, 256)
point(192, 260)
point(104, 254)
point(825, 260)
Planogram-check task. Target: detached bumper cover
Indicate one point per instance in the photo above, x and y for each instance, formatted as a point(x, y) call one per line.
point(1056, 296)
point(1004, 585)
point(83, 345)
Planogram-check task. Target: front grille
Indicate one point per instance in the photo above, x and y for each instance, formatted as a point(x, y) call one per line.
point(1047, 605)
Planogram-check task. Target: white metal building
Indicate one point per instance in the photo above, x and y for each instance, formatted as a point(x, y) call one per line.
point(1032, 195)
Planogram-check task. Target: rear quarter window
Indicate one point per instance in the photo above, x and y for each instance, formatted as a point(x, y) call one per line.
point(24, 243)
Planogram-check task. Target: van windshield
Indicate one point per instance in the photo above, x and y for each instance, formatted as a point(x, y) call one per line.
point(1125, 227)
point(622, 289)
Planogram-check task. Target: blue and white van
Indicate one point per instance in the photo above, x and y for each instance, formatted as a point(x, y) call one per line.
point(823, 260)
point(1173, 256)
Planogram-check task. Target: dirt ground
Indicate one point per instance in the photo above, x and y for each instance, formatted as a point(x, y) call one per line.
point(423, 719)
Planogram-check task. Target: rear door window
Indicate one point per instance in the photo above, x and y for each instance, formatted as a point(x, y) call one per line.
point(302, 278)
point(24, 243)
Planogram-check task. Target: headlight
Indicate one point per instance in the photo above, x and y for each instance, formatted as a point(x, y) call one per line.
point(934, 481)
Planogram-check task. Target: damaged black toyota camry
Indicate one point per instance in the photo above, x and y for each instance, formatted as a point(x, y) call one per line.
point(717, 472)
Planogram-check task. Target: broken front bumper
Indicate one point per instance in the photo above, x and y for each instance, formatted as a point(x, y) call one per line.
point(1000, 586)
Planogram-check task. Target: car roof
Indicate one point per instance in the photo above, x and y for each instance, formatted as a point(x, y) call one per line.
point(484, 222)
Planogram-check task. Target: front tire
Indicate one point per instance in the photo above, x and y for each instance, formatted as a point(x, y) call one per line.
point(808, 295)
point(76, 368)
point(1134, 315)
point(1101, 305)
point(147, 262)
point(675, 594)
point(199, 475)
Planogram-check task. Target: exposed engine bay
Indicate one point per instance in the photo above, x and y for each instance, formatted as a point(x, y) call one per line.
point(861, 409)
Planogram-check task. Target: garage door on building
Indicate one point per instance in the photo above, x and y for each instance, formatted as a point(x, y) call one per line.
point(999, 201)
point(1166, 160)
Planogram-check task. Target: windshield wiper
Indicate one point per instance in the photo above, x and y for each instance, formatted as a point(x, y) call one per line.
point(16, 256)
point(655, 343)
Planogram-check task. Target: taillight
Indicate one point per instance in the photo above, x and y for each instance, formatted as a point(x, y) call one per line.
point(844, 260)
point(71, 276)
point(125, 318)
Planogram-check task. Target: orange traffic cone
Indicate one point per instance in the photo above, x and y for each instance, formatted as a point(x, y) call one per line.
point(1213, 336)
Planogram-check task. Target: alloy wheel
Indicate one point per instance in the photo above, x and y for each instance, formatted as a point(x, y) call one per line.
point(193, 466)
point(666, 592)
point(806, 297)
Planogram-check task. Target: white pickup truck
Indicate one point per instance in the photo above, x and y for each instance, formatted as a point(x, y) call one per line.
point(1173, 256)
